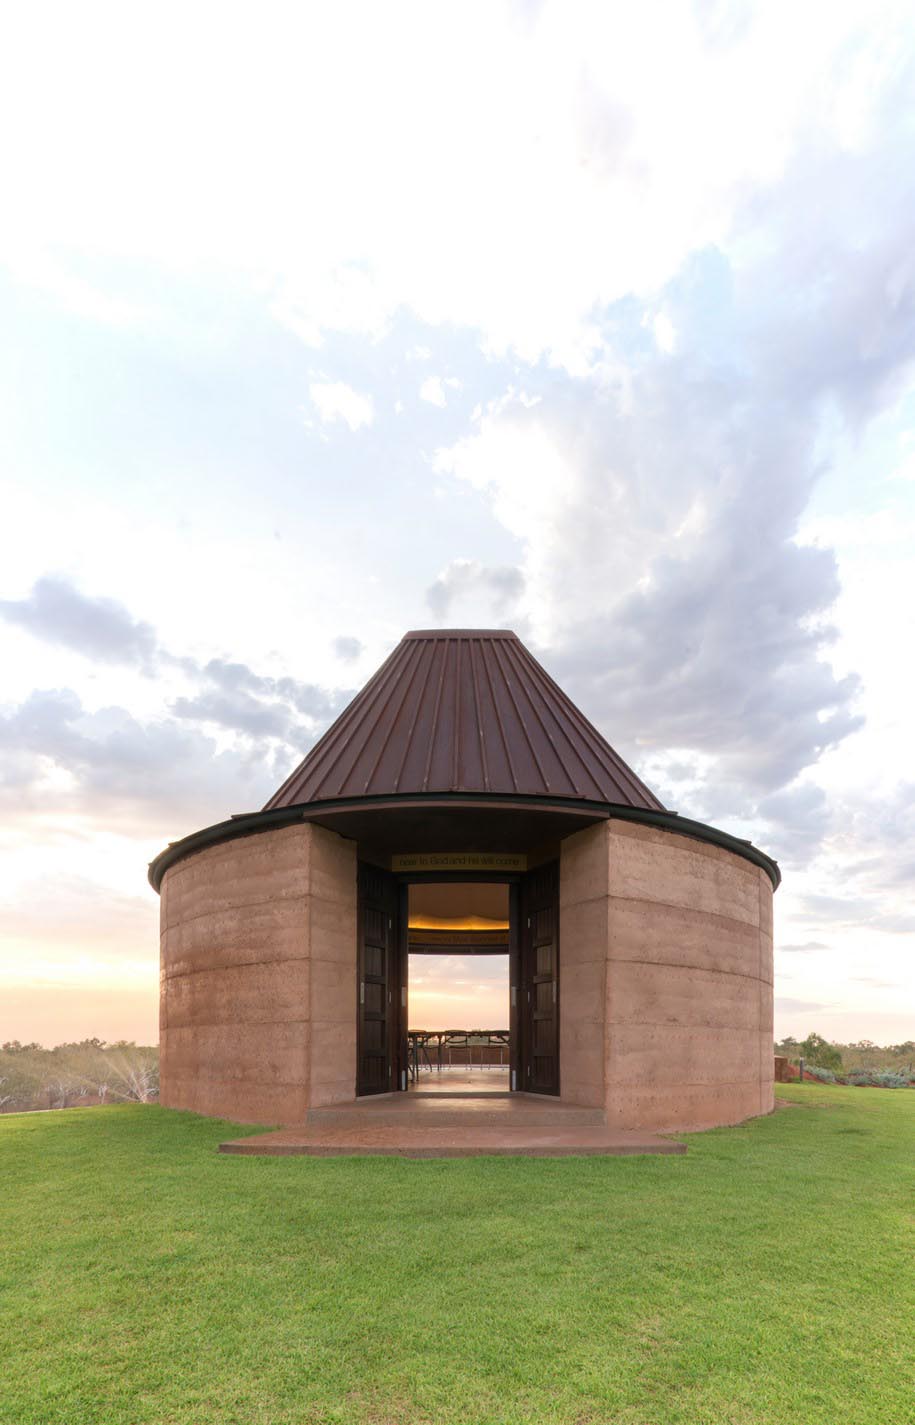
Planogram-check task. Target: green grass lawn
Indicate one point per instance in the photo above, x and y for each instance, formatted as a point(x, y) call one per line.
point(769, 1275)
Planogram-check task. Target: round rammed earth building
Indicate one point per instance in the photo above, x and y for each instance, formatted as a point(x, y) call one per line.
point(639, 942)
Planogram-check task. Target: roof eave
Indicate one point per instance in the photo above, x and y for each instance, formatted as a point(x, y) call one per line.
point(251, 823)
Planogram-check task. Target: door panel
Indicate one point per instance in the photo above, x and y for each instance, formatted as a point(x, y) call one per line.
point(540, 980)
point(376, 1036)
point(516, 1018)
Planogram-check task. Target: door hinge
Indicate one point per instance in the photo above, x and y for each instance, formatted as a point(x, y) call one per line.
point(514, 996)
point(554, 991)
point(362, 991)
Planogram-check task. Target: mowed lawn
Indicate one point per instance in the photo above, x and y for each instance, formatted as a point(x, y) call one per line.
point(769, 1275)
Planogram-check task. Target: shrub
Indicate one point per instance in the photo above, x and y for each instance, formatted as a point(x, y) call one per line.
point(825, 1076)
point(878, 1079)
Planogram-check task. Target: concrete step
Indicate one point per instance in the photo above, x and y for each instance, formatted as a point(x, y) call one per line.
point(451, 1142)
point(435, 1111)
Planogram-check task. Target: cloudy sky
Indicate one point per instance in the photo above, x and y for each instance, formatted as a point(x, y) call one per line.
point(322, 322)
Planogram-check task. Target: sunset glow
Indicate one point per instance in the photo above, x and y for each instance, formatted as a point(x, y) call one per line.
point(489, 316)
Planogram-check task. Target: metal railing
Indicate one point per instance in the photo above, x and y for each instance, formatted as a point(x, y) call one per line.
point(468, 1042)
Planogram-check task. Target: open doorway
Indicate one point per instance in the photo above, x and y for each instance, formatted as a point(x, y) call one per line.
point(403, 1041)
point(458, 997)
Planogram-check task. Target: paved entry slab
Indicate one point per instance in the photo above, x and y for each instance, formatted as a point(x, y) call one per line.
point(451, 1143)
point(460, 1081)
point(401, 1126)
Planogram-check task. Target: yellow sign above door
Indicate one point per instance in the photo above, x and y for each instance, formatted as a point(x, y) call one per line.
point(459, 861)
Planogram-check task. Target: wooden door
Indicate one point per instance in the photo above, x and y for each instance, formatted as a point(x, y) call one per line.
point(378, 995)
point(540, 980)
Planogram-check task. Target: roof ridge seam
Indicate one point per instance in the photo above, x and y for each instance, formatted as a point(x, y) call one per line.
point(408, 740)
point(478, 716)
point(438, 701)
point(603, 747)
point(550, 738)
point(590, 736)
point(368, 710)
point(520, 716)
point(299, 776)
point(407, 680)
point(456, 744)
point(496, 709)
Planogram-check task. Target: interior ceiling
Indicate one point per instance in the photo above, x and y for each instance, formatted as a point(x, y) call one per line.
point(467, 905)
point(427, 826)
point(459, 922)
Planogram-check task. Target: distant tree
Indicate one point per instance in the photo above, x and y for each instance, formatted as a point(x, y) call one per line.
point(61, 1086)
point(817, 1050)
point(33, 1077)
point(16, 1090)
point(20, 1076)
point(131, 1073)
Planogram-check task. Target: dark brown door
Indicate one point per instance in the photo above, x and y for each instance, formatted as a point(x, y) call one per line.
point(378, 995)
point(540, 980)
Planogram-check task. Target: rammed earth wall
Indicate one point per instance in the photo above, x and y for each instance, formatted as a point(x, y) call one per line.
point(667, 941)
point(258, 976)
point(665, 984)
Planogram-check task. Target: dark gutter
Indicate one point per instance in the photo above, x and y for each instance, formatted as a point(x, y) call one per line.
point(250, 823)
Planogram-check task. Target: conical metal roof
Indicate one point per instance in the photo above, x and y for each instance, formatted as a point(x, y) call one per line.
point(463, 710)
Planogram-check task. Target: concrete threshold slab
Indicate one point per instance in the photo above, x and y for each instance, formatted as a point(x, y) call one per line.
point(434, 1095)
point(416, 1141)
point(408, 1114)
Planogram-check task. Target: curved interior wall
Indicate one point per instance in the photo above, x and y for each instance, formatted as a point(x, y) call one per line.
point(258, 976)
point(666, 979)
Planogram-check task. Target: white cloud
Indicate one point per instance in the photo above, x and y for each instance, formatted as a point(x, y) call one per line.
point(522, 464)
point(481, 592)
point(694, 263)
point(664, 332)
point(347, 648)
point(99, 628)
point(312, 185)
point(47, 273)
point(335, 401)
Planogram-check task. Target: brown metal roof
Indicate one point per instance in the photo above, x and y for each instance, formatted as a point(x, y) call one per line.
point(463, 710)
